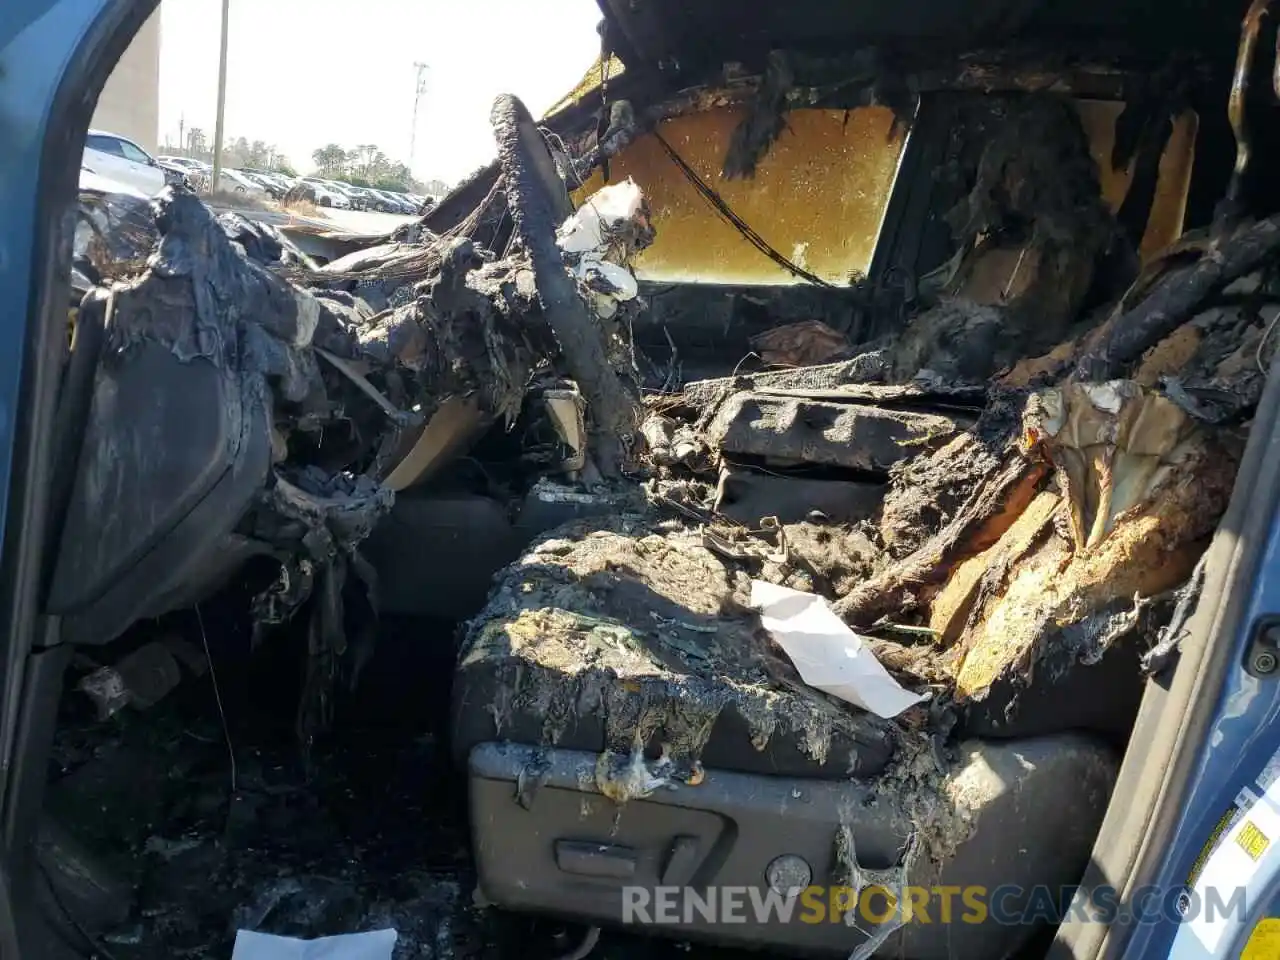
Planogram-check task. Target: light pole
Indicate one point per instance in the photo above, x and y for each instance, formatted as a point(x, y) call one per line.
point(419, 87)
point(222, 98)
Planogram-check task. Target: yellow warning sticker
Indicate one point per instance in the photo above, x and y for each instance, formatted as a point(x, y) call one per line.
point(1252, 840)
point(1265, 942)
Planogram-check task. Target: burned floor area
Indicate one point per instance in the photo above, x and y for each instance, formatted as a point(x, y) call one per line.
point(164, 843)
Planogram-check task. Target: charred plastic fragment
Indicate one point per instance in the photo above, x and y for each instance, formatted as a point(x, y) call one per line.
point(309, 408)
point(1032, 234)
point(824, 431)
point(115, 232)
point(995, 525)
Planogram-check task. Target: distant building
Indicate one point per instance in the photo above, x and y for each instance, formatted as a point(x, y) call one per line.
point(130, 102)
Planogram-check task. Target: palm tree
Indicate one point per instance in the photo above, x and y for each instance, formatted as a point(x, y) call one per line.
point(364, 156)
point(331, 159)
point(197, 144)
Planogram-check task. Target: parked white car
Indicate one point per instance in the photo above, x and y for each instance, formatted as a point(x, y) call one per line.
point(117, 158)
point(194, 166)
point(196, 171)
point(234, 181)
point(327, 196)
point(91, 182)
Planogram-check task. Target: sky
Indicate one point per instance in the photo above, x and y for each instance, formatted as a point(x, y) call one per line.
point(304, 73)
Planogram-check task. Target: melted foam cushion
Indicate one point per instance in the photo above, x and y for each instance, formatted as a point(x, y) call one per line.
point(610, 634)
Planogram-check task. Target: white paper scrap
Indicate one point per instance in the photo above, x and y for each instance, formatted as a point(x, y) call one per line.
point(588, 227)
point(830, 656)
point(376, 945)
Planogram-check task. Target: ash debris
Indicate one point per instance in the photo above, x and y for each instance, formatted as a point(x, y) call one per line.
point(916, 487)
point(1031, 236)
point(632, 633)
point(359, 378)
point(1004, 496)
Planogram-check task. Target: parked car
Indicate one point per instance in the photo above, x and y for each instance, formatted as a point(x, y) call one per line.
point(373, 200)
point(385, 202)
point(357, 201)
point(118, 158)
point(360, 197)
point(268, 183)
point(97, 183)
point(419, 203)
point(283, 182)
point(186, 163)
point(397, 203)
point(326, 195)
point(197, 171)
point(239, 183)
point(176, 174)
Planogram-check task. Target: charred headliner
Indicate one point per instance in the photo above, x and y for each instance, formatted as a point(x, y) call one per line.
point(684, 37)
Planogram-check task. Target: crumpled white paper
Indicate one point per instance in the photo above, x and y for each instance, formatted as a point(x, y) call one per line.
point(375, 945)
point(829, 656)
point(621, 281)
point(589, 226)
point(585, 237)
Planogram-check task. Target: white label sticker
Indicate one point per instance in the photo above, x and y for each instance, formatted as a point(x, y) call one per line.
point(1240, 854)
point(1245, 799)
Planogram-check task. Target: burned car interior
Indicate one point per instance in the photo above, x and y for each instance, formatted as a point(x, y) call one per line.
point(942, 326)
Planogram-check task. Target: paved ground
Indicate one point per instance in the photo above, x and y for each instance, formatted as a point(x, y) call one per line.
point(364, 222)
point(352, 221)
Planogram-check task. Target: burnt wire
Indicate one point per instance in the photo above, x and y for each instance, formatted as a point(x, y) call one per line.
point(558, 151)
point(602, 125)
point(217, 695)
point(708, 193)
point(415, 267)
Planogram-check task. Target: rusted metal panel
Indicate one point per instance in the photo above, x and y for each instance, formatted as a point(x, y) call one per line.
point(820, 192)
point(818, 196)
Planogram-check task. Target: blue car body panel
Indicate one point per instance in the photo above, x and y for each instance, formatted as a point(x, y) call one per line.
point(39, 43)
point(1242, 747)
